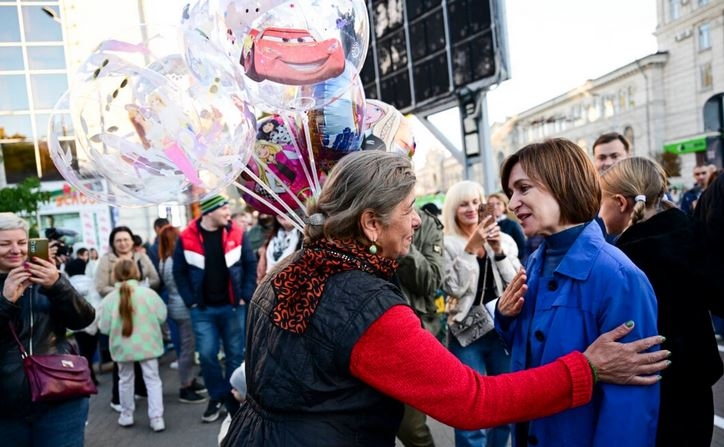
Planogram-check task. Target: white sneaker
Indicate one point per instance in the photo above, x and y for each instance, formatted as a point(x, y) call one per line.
point(157, 424)
point(116, 407)
point(173, 365)
point(125, 420)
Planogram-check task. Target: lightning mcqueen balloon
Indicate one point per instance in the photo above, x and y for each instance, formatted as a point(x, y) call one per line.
point(291, 57)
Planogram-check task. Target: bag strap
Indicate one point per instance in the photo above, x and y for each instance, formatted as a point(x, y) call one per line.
point(23, 353)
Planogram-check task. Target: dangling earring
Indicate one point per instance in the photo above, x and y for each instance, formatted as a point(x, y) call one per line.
point(372, 248)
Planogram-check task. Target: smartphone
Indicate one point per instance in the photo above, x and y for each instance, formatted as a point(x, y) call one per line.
point(485, 210)
point(38, 247)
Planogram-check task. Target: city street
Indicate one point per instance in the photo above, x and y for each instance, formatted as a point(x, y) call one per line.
point(185, 429)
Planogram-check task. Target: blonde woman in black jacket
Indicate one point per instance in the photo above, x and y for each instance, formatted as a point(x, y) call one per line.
point(42, 305)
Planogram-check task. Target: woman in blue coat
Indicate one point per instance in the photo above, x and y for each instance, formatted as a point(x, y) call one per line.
point(579, 287)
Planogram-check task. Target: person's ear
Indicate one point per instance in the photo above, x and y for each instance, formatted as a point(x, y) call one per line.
point(623, 204)
point(370, 225)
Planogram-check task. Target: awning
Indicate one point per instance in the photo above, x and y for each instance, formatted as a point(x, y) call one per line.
point(697, 143)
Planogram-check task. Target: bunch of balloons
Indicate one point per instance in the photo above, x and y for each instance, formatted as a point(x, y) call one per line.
point(265, 95)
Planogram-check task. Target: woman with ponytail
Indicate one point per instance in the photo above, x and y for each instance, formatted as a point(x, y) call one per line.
point(660, 239)
point(132, 316)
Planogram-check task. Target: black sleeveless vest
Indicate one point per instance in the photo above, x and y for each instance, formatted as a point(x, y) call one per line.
point(300, 391)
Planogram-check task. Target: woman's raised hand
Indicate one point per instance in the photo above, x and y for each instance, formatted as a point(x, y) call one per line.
point(511, 301)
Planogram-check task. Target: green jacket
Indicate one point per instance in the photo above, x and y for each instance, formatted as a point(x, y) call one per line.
point(420, 272)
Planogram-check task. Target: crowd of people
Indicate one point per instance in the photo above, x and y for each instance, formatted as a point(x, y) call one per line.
point(559, 319)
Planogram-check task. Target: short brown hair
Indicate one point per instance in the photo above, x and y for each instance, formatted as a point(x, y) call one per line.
point(562, 168)
point(611, 136)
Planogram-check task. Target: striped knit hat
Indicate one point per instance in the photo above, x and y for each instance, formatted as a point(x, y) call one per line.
point(212, 203)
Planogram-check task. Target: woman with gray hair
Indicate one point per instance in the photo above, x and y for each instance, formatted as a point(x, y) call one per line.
point(333, 350)
point(42, 305)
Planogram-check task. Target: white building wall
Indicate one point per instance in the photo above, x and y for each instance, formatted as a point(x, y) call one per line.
point(664, 95)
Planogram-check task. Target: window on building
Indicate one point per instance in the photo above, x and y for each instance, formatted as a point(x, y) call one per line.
point(674, 9)
point(11, 57)
point(608, 106)
point(18, 100)
point(48, 171)
point(19, 160)
point(15, 126)
point(703, 2)
point(39, 27)
point(47, 89)
point(628, 133)
point(9, 26)
point(704, 36)
point(46, 58)
point(706, 76)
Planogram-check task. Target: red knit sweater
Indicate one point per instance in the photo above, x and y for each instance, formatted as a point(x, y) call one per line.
point(398, 357)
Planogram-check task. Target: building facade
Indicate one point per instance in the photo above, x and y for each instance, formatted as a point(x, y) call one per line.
point(42, 44)
point(670, 101)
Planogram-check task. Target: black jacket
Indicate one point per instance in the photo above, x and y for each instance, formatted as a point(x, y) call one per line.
point(55, 310)
point(664, 247)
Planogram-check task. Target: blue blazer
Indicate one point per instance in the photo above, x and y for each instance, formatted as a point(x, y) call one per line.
point(593, 290)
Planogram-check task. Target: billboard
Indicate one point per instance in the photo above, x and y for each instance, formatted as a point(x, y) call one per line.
point(426, 51)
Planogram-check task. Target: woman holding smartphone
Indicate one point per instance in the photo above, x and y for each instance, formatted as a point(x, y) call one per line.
point(479, 260)
point(40, 303)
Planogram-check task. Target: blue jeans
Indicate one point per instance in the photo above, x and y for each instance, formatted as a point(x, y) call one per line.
point(57, 425)
point(486, 355)
point(211, 325)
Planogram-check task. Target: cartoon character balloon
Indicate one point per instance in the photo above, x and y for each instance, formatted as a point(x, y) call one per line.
point(336, 129)
point(280, 161)
point(303, 43)
point(387, 129)
point(150, 127)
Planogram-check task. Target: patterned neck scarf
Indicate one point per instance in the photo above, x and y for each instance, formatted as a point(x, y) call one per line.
point(299, 286)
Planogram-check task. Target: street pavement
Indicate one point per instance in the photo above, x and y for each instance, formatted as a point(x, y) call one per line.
point(185, 429)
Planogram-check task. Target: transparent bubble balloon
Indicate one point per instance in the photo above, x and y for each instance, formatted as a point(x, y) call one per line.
point(156, 128)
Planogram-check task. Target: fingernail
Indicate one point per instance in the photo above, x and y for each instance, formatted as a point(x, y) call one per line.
point(668, 354)
point(658, 377)
point(663, 339)
point(668, 363)
point(629, 324)
point(26, 265)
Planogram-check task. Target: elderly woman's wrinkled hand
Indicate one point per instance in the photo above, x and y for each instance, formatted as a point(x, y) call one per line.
point(511, 301)
point(627, 363)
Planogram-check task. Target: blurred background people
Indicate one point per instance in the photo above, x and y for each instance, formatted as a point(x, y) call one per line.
point(479, 261)
point(659, 238)
point(132, 315)
point(284, 239)
point(508, 223)
point(86, 338)
point(122, 246)
point(179, 313)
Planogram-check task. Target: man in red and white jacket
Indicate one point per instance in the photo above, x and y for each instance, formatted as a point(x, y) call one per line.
point(215, 271)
